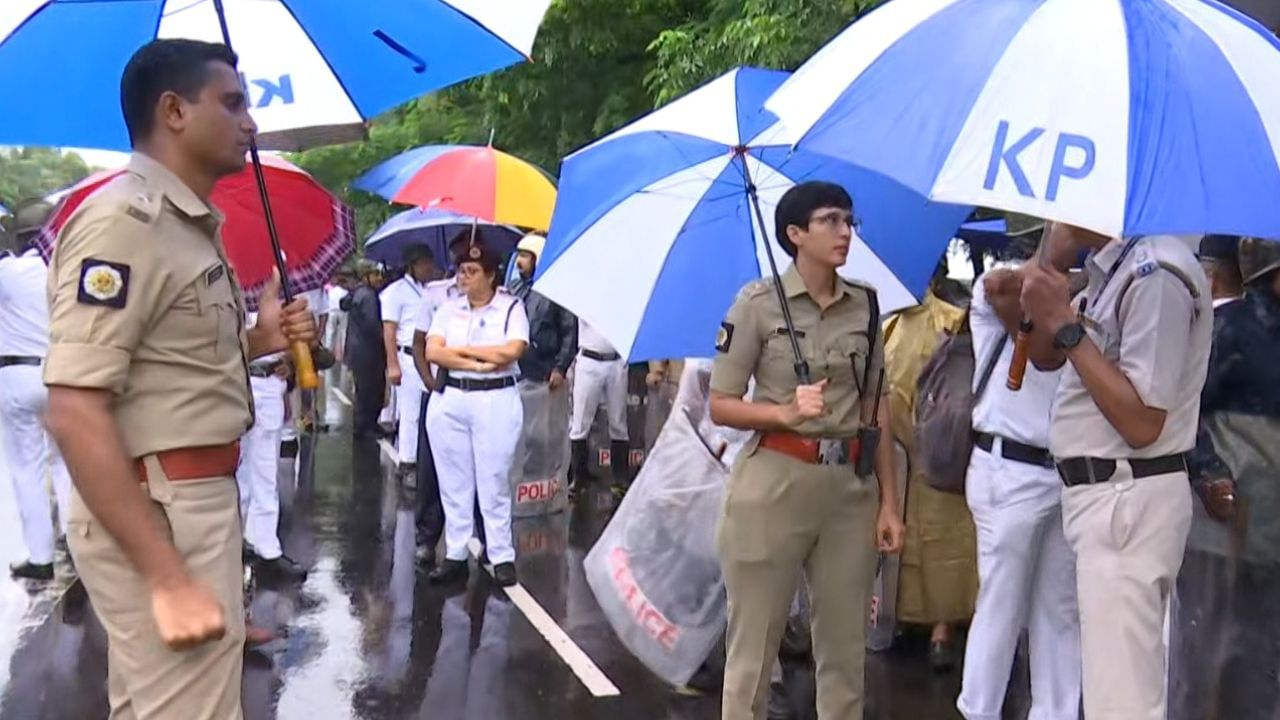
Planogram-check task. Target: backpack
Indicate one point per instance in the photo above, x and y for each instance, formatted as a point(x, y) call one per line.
point(944, 410)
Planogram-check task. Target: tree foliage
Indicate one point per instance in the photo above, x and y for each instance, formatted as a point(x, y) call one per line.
point(31, 172)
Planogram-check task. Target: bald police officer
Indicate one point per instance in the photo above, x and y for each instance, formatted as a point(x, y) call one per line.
point(795, 502)
point(1136, 352)
point(149, 392)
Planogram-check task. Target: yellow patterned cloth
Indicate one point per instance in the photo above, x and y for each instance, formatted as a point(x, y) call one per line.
point(938, 580)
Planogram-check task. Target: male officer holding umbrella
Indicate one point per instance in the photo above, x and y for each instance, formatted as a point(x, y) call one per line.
point(149, 393)
point(797, 500)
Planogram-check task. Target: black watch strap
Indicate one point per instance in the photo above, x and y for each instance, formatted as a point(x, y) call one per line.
point(1069, 336)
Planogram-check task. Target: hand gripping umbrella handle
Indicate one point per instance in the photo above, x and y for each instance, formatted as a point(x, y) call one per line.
point(304, 366)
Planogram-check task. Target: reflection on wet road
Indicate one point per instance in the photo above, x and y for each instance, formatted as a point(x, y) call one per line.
point(365, 637)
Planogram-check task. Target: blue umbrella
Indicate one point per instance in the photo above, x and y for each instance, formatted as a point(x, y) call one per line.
point(655, 231)
point(1127, 117)
point(314, 70)
point(434, 228)
point(985, 234)
point(4, 210)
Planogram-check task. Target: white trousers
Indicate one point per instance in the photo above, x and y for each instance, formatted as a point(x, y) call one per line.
point(408, 408)
point(259, 471)
point(33, 459)
point(593, 382)
point(1129, 537)
point(1026, 575)
point(473, 439)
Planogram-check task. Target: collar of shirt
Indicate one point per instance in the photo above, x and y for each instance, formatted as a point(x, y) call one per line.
point(793, 284)
point(178, 193)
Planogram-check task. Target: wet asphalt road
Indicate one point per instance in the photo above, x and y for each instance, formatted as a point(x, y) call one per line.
point(366, 637)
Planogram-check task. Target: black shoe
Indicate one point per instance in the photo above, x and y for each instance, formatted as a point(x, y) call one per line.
point(28, 570)
point(282, 567)
point(579, 470)
point(425, 555)
point(289, 449)
point(941, 656)
point(505, 574)
point(449, 571)
point(248, 556)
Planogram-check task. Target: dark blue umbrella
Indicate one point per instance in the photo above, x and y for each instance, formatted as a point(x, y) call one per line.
point(434, 228)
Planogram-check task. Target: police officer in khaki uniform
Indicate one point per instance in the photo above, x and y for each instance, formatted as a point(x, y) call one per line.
point(1136, 352)
point(149, 391)
point(795, 502)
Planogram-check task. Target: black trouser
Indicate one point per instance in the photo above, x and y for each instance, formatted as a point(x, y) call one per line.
point(429, 518)
point(371, 387)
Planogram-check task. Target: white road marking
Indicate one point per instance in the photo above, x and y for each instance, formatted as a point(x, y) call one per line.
point(596, 682)
point(342, 397)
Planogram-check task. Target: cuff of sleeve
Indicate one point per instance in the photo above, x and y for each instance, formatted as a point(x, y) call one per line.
point(86, 366)
point(728, 386)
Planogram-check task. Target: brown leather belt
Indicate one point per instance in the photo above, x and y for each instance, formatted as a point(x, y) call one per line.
point(195, 463)
point(811, 450)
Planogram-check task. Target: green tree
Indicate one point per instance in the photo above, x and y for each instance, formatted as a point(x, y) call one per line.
point(32, 172)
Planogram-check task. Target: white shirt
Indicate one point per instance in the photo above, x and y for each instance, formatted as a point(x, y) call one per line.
point(589, 339)
point(317, 301)
point(24, 306)
point(400, 302)
point(1021, 416)
point(434, 295)
point(497, 323)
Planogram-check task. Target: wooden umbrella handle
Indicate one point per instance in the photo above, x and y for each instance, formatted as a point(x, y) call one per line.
point(1021, 353)
point(304, 366)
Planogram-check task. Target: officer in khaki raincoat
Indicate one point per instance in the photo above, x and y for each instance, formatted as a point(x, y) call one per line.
point(795, 502)
point(149, 389)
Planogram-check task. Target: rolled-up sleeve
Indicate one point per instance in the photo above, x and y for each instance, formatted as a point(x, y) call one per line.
point(1155, 327)
point(95, 331)
point(737, 350)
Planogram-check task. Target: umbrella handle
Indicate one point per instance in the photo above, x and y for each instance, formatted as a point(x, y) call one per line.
point(1021, 353)
point(304, 366)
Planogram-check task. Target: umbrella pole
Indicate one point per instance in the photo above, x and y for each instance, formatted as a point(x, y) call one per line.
point(801, 365)
point(302, 362)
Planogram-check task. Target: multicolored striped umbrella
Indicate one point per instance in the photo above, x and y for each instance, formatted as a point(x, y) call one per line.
point(478, 181)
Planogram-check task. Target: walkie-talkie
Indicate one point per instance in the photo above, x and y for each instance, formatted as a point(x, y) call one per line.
point(869, 436)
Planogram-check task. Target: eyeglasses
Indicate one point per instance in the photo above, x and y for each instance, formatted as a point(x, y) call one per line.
point(835, 218)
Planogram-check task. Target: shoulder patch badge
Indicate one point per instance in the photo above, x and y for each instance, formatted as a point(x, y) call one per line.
point(103, 283)
point(724, 338)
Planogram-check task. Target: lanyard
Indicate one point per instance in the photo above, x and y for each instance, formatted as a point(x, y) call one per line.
point(1129, 245)
point(413, 285)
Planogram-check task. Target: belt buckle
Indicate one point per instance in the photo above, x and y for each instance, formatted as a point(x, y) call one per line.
point(833, 452)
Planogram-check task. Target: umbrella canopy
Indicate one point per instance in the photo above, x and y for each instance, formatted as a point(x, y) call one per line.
point(1126, 117)
point(434, 228)
point(315, 71)
point(317, 231)
point(654, 232)
point(478, 181)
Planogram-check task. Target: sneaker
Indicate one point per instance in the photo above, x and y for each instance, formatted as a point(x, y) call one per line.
point(505, 574)
point(28, 570)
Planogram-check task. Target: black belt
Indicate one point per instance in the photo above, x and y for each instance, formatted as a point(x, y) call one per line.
point(406, 349)
point(1091, 471)
point(7, 360)
point(1014, 450)
point(474, 384)
point(264, 371)
point(601, 357)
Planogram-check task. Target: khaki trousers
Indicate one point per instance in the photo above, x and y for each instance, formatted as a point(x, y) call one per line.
point(782, 516)
point(1129, 537)
point(145, 679)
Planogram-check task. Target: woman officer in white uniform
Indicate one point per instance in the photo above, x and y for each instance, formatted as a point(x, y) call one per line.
point(475, 423)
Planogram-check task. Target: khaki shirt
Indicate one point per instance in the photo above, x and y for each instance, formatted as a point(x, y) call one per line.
point(143, 303)
point(753, 342)
point(1159, 336)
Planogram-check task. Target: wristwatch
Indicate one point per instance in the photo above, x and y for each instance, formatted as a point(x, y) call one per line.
point(1069, 336)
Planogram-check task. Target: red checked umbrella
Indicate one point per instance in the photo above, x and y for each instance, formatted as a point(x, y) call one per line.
point(317, 231)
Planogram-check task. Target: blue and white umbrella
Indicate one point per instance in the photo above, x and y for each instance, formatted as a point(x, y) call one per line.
point(434, 228)
point(1126, 117)
point(654, 232)
point(315, 71)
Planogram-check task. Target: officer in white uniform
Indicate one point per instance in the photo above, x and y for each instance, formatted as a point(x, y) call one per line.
point(476, 421)
point(1125, 415)
point(400, 303)
point(258, 474)
point(600, 375)
point(1026, 569)
point(33, 456)
point(334, 336)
